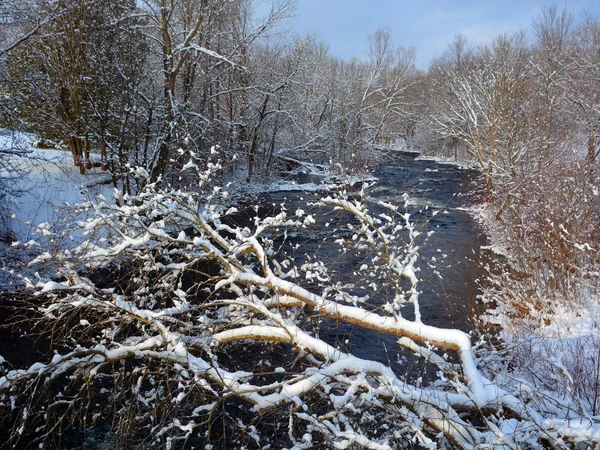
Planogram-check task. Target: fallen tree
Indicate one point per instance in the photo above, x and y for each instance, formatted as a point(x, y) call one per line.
point(201, 326)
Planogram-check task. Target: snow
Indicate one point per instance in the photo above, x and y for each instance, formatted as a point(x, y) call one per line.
point(448, 161)
point(306, 178)
point(556, 348)
point(572, 323)
point(52, 182)
point(348, 382)
point(486, 217)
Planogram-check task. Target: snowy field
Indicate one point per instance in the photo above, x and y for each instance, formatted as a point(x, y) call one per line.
point(50, 182)
point(47, 182)
point(53, 184)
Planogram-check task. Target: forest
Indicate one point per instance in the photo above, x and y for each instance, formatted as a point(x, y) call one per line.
point(170, 311)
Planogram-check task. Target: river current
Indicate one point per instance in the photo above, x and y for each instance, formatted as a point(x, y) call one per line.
point(448, 297)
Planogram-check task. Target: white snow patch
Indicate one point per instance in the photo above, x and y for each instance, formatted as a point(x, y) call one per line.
point(53, 182)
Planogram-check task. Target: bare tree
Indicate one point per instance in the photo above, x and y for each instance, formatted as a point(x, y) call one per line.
point(485, 108)
point(19, 22)
point(552, 29)
point(206, 44)
point(582, 87)
point(72, 82)
point(457, 54)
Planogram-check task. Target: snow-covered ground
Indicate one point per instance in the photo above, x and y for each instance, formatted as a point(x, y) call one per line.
point(52, 183)
point(557, 349)
point(306, 178)
point(461, 164)
point(47, 184)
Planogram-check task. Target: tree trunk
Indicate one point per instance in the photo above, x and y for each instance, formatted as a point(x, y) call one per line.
point(591, 155)
point(254, 145)
point(88, 163)
point(76, 146)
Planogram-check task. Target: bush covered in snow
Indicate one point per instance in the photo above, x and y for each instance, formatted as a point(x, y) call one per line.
point(170, 322)
point(546, 299)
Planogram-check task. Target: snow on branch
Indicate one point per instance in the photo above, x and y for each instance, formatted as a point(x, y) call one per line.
point(170, 308)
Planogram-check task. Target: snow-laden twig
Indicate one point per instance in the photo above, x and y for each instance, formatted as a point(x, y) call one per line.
point(189, 287)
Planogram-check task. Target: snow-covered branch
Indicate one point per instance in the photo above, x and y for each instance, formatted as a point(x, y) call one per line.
point(168, 285)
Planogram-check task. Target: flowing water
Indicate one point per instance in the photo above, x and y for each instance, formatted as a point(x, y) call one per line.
point(447, 300)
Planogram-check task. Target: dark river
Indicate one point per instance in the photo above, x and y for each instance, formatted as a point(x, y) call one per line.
point(448, 300)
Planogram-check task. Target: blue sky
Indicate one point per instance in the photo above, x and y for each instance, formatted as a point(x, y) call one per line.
point(426, 25)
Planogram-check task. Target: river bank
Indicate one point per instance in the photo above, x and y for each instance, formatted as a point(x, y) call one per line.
point(543, 297)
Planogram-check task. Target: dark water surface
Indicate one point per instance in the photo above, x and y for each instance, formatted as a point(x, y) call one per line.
point(446, 302)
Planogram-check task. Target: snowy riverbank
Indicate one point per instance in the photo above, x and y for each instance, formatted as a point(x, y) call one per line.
point(45, 185)
point(552, 340)
point(48, 182)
